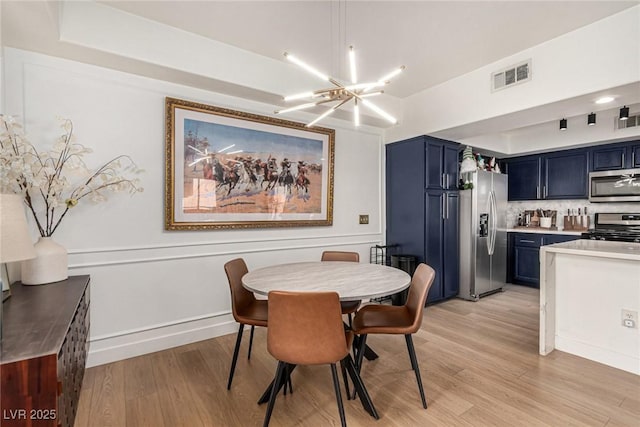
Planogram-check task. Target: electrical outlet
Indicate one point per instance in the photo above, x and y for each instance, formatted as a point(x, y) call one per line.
point(364, 219)
point(629, 318)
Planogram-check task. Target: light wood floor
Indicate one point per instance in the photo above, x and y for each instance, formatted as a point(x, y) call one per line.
point(479, 361)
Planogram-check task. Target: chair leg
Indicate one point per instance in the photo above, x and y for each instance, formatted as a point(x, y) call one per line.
point(414, 365)
point(362, 342)
point(250, 342)
point(287, 381)
point(361, 350)
point(235, 356)
point(280, 374)
point(359, 387)
point(345, 379)
point(336, 386)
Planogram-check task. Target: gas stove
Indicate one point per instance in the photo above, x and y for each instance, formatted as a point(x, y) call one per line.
point(620, 227)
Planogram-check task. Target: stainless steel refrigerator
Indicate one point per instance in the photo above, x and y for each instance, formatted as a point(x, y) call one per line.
point(483, 235)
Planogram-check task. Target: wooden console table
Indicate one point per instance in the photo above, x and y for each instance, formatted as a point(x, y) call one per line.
point(44, 349)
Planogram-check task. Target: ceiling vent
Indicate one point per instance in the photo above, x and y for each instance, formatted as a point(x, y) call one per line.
point(511, 76)
point(631, 122)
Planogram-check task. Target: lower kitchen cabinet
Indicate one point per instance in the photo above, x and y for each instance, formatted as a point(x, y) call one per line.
point(523, 255)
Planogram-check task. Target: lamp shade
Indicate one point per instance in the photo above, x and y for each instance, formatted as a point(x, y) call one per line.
point(15, 240)
point(624, 113)
point(563, 124)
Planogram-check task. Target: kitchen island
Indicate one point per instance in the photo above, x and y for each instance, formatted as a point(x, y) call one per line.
point(584, 286)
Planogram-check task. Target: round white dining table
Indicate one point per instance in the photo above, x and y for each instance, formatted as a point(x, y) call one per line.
point(351, 280)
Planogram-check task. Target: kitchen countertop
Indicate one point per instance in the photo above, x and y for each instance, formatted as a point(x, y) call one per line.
point(597, 248)
point(544, 231)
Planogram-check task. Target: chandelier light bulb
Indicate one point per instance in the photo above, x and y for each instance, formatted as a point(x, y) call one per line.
point(380, 111)
point(385, 79)
point(321, 116)
point(306, 66)
point(299, 96)
point(352, 65)
point(297, 107)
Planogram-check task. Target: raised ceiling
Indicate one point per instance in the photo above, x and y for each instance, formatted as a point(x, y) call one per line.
point(435, 40)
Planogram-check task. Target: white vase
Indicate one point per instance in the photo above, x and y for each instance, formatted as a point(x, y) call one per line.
point(50, 264)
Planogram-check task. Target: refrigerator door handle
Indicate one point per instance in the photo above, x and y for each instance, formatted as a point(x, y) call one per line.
point(493, 212)
point(489, 214)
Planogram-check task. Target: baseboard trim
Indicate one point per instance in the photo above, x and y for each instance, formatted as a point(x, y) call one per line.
point(119, 347)
point(598, 354)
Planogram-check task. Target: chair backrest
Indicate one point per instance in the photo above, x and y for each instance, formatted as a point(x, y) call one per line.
point(305, 328)
point(420, 284)
point(340, 256)
point(240, 297)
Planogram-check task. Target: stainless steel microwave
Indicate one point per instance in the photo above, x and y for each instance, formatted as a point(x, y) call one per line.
point(615, 186)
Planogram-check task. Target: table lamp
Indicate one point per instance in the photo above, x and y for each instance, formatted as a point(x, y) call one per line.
point(15, 240)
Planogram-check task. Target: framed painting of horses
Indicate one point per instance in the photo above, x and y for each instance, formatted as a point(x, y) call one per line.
point(229, 169)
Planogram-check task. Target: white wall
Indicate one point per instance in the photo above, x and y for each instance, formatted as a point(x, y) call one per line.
point(153, 289)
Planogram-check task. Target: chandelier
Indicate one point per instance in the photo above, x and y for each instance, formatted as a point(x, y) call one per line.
point(340, 93)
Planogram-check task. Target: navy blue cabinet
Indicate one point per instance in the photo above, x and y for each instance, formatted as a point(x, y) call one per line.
point(556, 175)
point(523, 178)
point(634, 148)
point(565, 175)
point(405, 170)
point(523, 258)
point(422, 207)
point(616, 156)
point(442, 158)
point(608, 158)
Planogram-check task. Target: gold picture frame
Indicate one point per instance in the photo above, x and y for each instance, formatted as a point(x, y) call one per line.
point(228, 169)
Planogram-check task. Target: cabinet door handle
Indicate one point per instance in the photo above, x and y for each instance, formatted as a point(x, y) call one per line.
point(525, 241)
point(544, 192)
point(633, 159)
point(442, 180)
point(443, 208)
point(537, 192)
point(446, 202)
point(622, 164)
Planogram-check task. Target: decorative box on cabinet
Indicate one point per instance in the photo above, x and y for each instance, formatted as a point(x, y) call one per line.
point(44, 349)
point(422, 207)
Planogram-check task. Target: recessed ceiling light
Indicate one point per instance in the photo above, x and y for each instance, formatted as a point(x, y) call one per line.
point(604, 100)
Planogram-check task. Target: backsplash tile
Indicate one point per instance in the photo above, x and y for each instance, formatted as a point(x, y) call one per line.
point(561, 206)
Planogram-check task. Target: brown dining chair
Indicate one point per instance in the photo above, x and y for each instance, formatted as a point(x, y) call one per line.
point(405, 320)
point(347, 307)
point(305, 328)
point(247, 310)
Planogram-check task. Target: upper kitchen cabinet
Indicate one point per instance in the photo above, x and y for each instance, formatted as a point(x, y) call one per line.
point(524, 178)
point(565, 175)
point(557, 175)
point(616, 156)
point(635, 154)
point(442, 164)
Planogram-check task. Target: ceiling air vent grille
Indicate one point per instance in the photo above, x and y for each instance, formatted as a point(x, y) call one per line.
point(631, 122)
point(511, 76)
